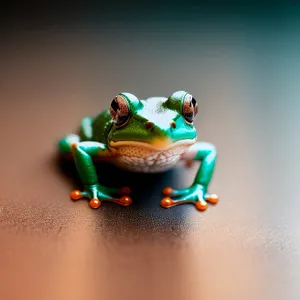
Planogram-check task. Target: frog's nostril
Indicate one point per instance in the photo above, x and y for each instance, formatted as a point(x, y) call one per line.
point(173, 124)
point(149, 125)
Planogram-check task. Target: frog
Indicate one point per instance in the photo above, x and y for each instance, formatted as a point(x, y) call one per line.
point(146, 136)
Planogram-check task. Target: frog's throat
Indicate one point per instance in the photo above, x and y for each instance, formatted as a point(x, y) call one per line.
point(156, 145)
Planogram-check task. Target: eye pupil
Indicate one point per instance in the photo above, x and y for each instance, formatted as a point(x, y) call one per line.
point(194, 102)
point(115, 105)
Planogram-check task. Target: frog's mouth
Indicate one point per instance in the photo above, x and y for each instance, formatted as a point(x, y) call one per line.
point(155, 145)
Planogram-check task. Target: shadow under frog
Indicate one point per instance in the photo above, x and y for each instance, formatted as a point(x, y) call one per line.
point(145, 213)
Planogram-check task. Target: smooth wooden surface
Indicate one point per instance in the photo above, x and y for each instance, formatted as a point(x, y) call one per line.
point(245, 77)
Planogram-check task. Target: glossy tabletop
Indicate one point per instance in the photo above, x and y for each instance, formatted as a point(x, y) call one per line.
point(243, 69)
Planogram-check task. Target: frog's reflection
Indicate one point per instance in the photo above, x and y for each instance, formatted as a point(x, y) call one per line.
point(144, 215)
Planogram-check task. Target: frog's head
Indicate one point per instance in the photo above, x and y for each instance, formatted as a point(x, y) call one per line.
point(157, 123)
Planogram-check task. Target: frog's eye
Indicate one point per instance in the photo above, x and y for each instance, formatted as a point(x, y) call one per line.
point(119, 111)
point(189, 108)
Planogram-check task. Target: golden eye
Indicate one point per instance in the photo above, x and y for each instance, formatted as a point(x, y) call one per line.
point(119, 110)
point(189, 108)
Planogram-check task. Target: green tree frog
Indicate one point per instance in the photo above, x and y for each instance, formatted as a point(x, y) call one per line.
point(147, 136)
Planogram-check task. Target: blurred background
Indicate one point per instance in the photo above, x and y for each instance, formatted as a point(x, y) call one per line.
point(62, 61)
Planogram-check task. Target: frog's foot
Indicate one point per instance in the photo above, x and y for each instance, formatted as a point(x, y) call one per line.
point(97, 194)
point(195, 194)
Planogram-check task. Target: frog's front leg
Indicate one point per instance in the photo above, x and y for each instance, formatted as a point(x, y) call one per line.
point(197, 192)
point(83, 152)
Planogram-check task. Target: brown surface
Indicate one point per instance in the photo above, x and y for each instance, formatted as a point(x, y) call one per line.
point(245, 247)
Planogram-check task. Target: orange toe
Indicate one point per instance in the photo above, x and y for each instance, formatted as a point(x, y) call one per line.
point(167, 191)
point(95, 203)
point(166, 202)
point(201, 205)
point(125, 190)
point(75, 195)
point(125, 200)
point(213, 198)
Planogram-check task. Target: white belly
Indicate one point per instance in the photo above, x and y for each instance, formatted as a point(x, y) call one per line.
point(137, 159)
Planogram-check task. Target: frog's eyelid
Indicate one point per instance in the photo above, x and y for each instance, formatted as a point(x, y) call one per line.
point(132, 100)
point(183, 98)
point(124, 95)
point(127, 96)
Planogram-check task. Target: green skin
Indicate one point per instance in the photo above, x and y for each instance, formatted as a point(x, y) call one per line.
point(99, 138)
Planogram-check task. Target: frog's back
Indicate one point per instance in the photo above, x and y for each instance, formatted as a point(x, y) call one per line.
point(154, 104)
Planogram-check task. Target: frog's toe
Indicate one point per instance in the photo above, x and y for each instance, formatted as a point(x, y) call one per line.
point(124, 201)
point(170, 192)
point(169, 202)
point(111, 197)
point(212, 198)
point(95, 203)
point(76, 195)
point(124, 191)
point(166, 202)
point(201, 205)
point(167, 191)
